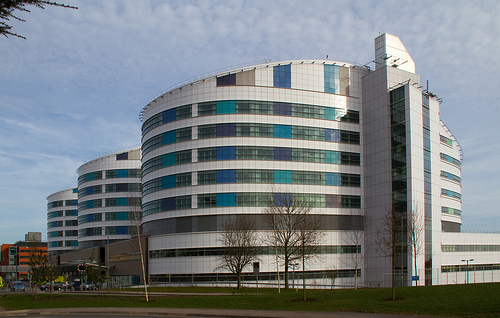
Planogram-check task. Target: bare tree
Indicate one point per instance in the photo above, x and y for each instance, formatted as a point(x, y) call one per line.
point(356, 237)
point(310, 236)
point(96, 274)
point(415, 232)
point(37, 264)
point(239, 239)
point(7, 8)
point(135, 206)
point(387, 242)
point(295, 231)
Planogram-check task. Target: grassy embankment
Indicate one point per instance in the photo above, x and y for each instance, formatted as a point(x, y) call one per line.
point(473, 300)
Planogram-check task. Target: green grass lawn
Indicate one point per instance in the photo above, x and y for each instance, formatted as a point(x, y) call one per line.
point(473, 300)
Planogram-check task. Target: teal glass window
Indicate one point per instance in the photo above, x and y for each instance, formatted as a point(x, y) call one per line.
point(332, 156)
point(168, 137)
point(283, 176)
point(333, 179)
point(168, 182)
point(332, 79)
point(226, 107)
point(226, 199)
point(282, 131)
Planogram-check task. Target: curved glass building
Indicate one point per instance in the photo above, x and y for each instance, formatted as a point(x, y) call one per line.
point(352, 141)
point(109, 198)
point(62, 221)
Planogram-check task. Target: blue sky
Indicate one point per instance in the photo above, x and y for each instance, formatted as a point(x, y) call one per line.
point(72, 91)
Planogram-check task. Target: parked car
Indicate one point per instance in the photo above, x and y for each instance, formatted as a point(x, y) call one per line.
point(17, 286)
point(61, 285)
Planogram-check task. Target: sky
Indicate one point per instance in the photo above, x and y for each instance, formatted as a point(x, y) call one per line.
point(72, 91)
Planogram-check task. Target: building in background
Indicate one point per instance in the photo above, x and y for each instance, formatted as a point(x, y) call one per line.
point(62, 221)
point(15, 257)
point(109, 198)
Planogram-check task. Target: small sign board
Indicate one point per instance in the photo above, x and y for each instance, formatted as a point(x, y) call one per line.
point(256, 268)
point(415, 278)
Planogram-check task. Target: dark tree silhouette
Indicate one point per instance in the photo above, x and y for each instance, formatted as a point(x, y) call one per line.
point(8, 8)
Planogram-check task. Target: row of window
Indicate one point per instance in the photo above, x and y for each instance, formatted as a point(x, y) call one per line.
point(73, 243)
point(450, 159)
point(450, 176)
point(446, 140)
point(62, 233)
point(108, 216)
point(277, 108)
point(452, 211)
point(470, 248)
point(469, 268)
point(56, 214)
point(56, 204)
point(109, 202)
point(109, 174)
point(110, 188)
point(215, 223)
point(251, 107)
point(253, 153)
point(108, 230)
point(253, 176)
point(249, 200)
point(261, 250)
point(451, 194)
point(62, 223)
point(253, 130)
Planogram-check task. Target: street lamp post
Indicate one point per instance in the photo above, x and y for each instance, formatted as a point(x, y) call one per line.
point(107, 254)
point(468, 260)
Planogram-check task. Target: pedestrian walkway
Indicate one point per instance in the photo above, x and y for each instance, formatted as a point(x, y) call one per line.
point(194, 312)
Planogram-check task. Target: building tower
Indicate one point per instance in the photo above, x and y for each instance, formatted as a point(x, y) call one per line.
point(109, 198)
point(411, 166)
point(62, 221)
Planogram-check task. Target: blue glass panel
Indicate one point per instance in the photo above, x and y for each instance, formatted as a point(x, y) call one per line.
point(226, 153)
point(226, 130)
point(282, 176)
point(75, 190)
point(168, 137)
point(75, 202)
point(121, 187)
point(121, 230)
point(226, 176)
point(282, 131)
point(332, 156)
point(168, 204)
point(283, 154)
point(282, 199)
point(332, 135)
point(89, 218)
point(168, 182)
point(168, 160)
point(332, 113)
point(169, 115)
point(332, 82)
point(89, 204)
point(333, 179)
point(282, 109)
point(89, 190)
point(226, 199)
point(226, 107)
point(74, 212)
point(282, 76)
point(90, 176)
point(122, 173)
point(226, 80)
